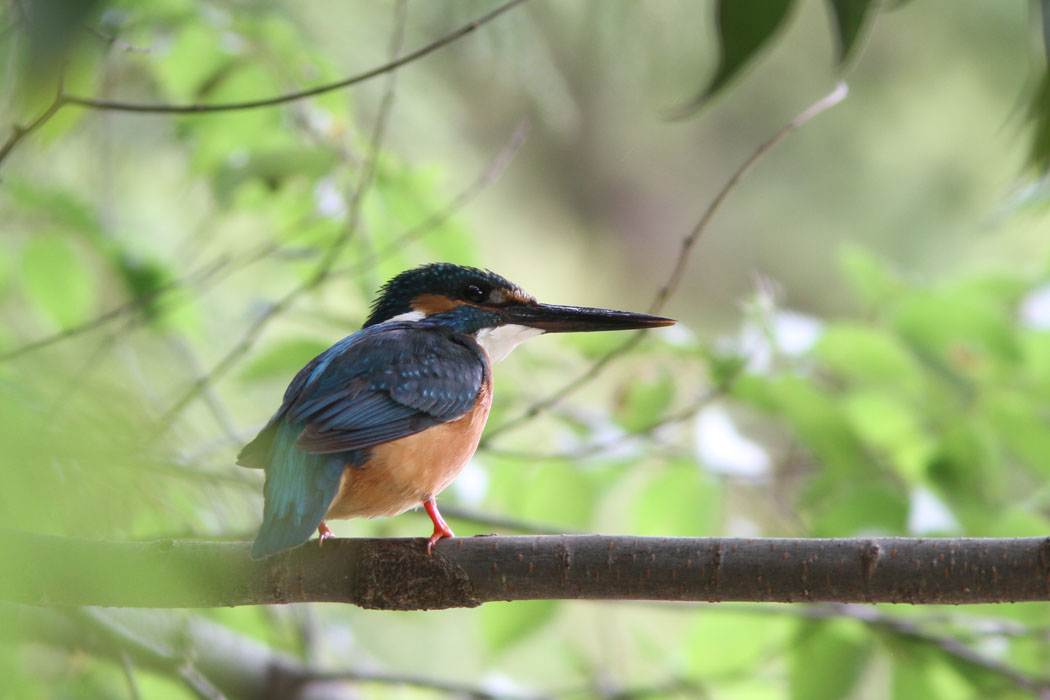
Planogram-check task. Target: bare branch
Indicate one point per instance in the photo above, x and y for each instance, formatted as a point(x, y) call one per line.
point(489, 175)
point(916, 629)
point(236, 665)
point(19, 132)
point(645, 431)
point(129, 676)
point(116, 105)
point(327, 271)
point(115, 634)
point(128, 307)
point(62, 99)
point(224, 663)
point(502, 522)
point(665, 292)
point(324, 266)
point(114, 41)
point(911, 629)
point(412, 680)
point(466, 572)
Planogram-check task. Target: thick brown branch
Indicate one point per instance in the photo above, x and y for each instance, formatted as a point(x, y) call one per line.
point(396, 574)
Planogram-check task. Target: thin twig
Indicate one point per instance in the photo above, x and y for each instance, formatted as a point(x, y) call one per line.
point(320, 273)
point(114, 41)
point(371, 163)
point(665, 292)
point(198, 275)
point(19, 132)
point(489, 175)
point(502, 522)
point(682, 686)
point(907, 628)
point(597, 448)
point(129, 675)
point(419, 682)
point(116, 105)
point(124, 639)
point(218, 410)
point(911, 630)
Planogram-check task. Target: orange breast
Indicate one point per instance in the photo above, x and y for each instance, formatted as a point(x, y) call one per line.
point(404, 473)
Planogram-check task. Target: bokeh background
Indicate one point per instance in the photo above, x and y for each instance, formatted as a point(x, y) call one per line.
point(863, 347)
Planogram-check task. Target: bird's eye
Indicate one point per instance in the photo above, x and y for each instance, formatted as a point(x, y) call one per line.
point(474, 293)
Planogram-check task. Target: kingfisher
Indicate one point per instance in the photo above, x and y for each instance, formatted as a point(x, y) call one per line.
point(386, 418)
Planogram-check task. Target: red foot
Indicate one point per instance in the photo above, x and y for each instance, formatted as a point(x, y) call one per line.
point(323, 533)
point(441, 528)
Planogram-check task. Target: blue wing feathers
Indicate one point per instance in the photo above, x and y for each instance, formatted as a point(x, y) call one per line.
point(380, 384)
point(299, 488)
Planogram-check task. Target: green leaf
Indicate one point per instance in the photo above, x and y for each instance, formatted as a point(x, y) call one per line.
point(1022, 424)
point(503, 624)
point(869, 355)
point(861, 508)
point(642, 402)
point(816, 417)
point(193, 59)
point(57, 281)
point(963, 463)
point(677, 502)
point(893, 428)
point(722, 644)
point(850, 17)
point(965, 330)
point(920, 671)
point(559, 493)
point(1039, 118)
point(272, 167)
point(54, 28)
point(282, 360)
point(827, 658)
point(723, 367)
point(63, 208)
point(872, 279)
point(744, 27)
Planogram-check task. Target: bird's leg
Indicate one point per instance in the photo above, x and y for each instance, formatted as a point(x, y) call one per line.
point(441, 528)
point(323, 533)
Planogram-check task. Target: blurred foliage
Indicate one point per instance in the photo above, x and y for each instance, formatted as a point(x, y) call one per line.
point(140, 251)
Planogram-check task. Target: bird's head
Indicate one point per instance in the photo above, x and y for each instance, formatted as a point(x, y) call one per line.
point(496, 312)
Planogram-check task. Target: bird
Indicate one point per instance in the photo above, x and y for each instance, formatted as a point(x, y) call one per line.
point(386, 418)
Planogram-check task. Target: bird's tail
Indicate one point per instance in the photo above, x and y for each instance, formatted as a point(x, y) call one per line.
point(299, 489)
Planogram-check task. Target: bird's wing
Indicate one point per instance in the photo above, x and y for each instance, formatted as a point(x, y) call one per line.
point(384, 385)
point(379, 384)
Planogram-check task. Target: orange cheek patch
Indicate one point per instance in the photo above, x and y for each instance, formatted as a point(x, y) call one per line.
point(431, 304)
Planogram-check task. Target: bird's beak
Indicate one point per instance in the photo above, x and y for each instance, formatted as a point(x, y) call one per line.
point(565, 319)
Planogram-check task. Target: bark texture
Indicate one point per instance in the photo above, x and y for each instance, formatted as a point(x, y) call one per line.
point(396, 574)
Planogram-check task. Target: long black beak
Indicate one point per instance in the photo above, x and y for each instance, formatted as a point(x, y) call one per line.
point(564, 319)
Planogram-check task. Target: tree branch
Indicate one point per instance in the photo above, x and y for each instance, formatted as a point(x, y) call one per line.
point(62, 99)
point(324, 267)
point(396, 574)
point(142, 108)
point(224, 664)
point(678, 269)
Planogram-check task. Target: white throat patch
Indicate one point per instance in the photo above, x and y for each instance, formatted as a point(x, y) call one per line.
point(408, 316)
point(499, 341)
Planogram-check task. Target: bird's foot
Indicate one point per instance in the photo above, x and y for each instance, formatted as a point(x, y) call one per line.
point(441, 528)
point(323, 533)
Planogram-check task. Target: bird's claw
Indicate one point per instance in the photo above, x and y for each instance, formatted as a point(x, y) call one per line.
point(441, 528)
point(324, 533)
